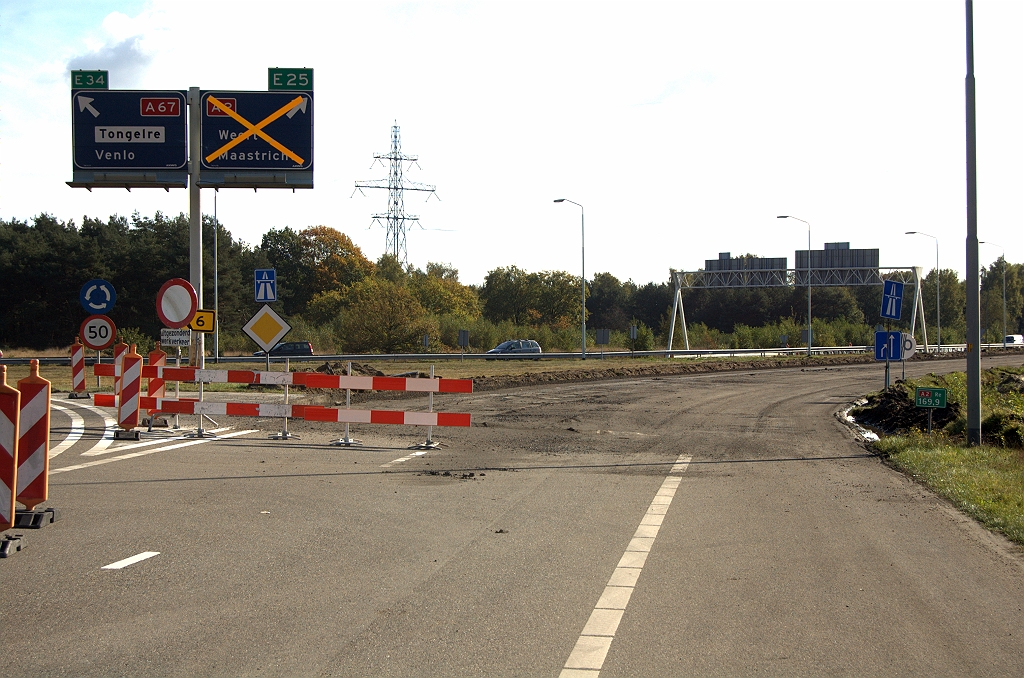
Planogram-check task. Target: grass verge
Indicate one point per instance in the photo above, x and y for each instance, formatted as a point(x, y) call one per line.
point(985, 482)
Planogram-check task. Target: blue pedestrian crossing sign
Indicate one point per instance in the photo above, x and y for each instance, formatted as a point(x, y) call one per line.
point(892, 299)
point(266, 285)
point(888, 345)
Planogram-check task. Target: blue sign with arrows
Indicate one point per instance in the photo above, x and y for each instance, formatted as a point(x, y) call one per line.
point(97, 296)
point(128, 130)
point(892, 299)
point(257, 131)
point(888, 346)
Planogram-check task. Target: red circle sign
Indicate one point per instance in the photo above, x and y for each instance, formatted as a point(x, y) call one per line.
point(97, 332)
point(176, 303)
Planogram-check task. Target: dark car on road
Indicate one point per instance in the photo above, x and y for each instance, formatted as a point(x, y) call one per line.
point(289, 348)
point(527, 348)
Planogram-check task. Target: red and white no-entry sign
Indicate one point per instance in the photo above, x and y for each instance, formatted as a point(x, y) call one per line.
point(97, 332)
point(176, 303)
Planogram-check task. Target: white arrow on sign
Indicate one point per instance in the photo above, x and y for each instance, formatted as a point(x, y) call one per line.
point(85, 104)
point(300, 107)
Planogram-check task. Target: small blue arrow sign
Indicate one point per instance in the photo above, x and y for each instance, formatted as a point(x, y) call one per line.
point(888, 346)
point(266, 285)
point(97, 296)
point(892, 299)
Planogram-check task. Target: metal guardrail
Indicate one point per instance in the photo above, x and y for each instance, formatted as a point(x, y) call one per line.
point(591, 355)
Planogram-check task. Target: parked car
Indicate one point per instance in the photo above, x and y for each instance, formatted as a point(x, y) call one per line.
point(288, 348)
point(524, 347)
point(1014, 339)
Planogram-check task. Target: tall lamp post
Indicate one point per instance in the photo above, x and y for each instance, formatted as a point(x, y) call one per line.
point(994, 244)
point(938, 314)
point(810, 336)
point(583, 282)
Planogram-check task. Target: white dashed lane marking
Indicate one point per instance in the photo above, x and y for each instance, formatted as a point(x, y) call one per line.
point(130, 561)
point(143, 453)
point(587, 657)
point(405, 458)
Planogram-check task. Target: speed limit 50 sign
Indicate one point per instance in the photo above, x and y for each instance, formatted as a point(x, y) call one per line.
point(97, 332)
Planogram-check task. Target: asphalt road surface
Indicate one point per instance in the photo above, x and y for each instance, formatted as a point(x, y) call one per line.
point(709, 525)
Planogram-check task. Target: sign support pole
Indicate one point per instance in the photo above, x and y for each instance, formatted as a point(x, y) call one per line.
point(195, 214)
point(973, 277)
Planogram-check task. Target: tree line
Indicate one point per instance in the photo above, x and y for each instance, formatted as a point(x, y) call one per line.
point(336, 297)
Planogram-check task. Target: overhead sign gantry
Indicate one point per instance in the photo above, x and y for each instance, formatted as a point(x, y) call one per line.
point(141, 139)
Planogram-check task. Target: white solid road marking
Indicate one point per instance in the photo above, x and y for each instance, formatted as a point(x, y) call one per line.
point(145, 443)
point(109, 424)
point(587, 657)
point(130, 561)
point(405, 458)
point(143, 453)
point(74, 435)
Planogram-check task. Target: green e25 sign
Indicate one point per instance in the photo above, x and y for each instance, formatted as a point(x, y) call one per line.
point(296, 79)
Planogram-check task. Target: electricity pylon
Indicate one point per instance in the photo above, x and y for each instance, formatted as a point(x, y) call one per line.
point(396, 220)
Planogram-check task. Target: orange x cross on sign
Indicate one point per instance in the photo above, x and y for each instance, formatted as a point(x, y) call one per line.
point(256, 129)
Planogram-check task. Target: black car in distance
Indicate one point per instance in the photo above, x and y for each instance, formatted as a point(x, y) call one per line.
point(288, 348)
point(525, 348)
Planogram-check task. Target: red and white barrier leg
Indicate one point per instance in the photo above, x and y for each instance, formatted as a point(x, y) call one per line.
point(10, 416)
point(77, 371)
point(346, 441)
point(128, 399)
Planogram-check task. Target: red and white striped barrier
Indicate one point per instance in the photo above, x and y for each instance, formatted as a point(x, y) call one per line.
point(34, 439)
point(157, 386)
point(119, 351)
point(346, 416)
point(307, 412)
point(77, 367)
point(10, 411)
point(131, 386)
point(307, 379)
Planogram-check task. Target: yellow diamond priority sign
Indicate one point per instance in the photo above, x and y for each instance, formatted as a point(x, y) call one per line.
point(266, 328)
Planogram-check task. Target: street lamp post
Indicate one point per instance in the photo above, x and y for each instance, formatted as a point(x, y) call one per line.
point(810, 335)
point(938, 315)
point(583, 282)
point(983, 242)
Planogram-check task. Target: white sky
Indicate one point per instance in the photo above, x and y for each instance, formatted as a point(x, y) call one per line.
point(684, 128)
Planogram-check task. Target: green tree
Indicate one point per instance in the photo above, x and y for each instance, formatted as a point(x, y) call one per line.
point(384, 317)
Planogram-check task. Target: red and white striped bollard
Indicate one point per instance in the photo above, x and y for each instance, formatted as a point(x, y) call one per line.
point(34, 439)
point(77, 368)
point(128, 400)
point(10, 411)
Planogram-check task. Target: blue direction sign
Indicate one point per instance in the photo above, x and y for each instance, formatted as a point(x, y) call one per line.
point(257, 131)
point(892, 299)
point(97, 296)
point(266, 285)
point(888, 346)
point(128, 130)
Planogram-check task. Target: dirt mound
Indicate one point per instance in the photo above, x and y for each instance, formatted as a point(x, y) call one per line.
point(358, 369)
point(894, 411)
